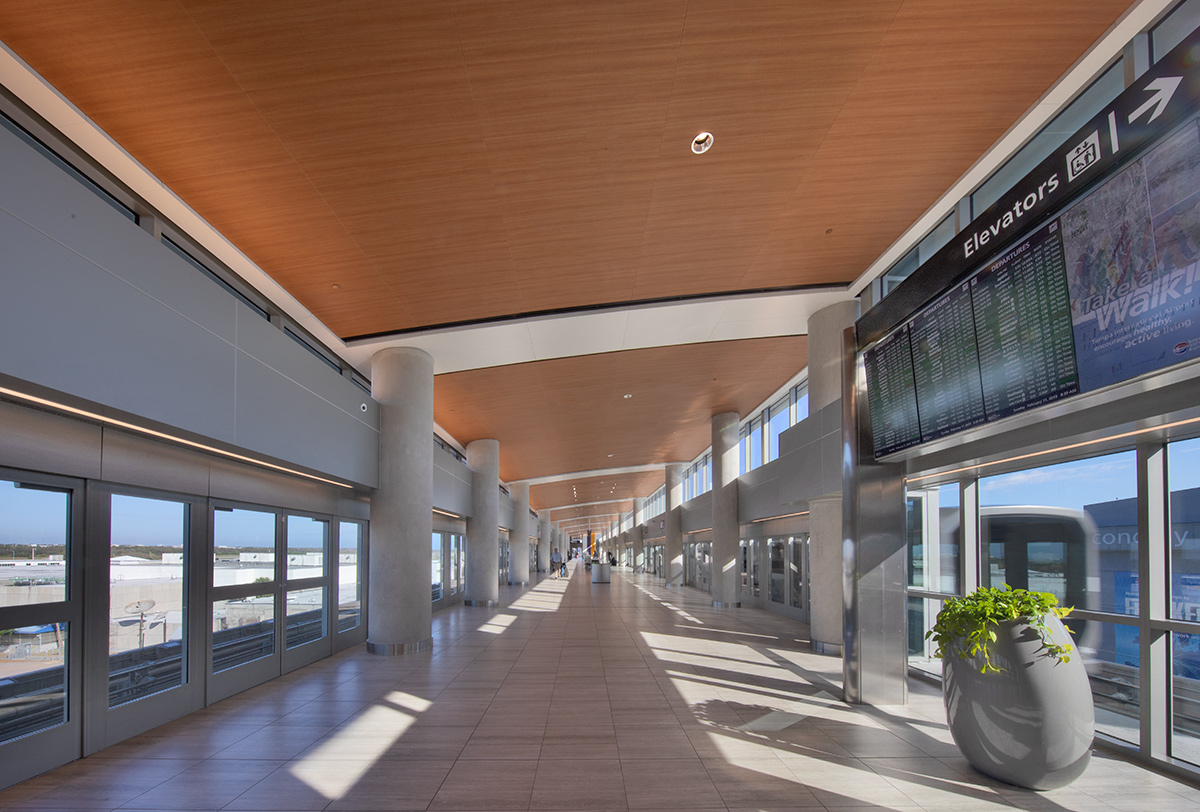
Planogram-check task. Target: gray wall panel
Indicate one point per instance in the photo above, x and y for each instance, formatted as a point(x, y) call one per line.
point(38, 441)
point(274, 348)
point(94, 308)
point(278, 417)
point(53, 203)
point(697, 513)
point(242, 483)
point(140, 461)
point(114, 346)
point(451, 484)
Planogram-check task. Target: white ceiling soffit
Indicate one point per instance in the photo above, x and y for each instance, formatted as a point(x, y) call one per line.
point(762, 315)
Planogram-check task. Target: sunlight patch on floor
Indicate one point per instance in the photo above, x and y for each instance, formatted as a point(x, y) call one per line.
point(372, 733)
point(497, 624)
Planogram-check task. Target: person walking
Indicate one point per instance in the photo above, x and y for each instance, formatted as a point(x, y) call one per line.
point(556, 562)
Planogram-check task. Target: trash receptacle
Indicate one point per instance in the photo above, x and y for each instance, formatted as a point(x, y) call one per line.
point(601, 573)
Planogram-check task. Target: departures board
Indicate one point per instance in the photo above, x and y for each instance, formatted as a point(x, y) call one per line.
point(1105, 291)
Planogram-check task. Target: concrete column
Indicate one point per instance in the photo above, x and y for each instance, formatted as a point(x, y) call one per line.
point(673, 539)
point(726, 529)
point(483, 533)
point(518, 537)
point(624, 545)
point(545, 542)
point(637, 536)
point(399, 610)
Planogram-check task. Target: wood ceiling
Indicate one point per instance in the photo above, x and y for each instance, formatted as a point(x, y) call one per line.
point(399, 165)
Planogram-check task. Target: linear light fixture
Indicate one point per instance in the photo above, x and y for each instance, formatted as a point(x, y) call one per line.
point(1059, 449)
point(112, 421)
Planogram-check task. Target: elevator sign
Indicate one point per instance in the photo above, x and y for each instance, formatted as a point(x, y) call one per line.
point(1154, 104)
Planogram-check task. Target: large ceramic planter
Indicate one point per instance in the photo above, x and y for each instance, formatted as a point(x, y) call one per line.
point(1032, 724)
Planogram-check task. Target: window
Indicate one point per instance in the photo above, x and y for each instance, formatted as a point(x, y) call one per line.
point(147, 627)
point(243, 547)
point(436, 568)
point(243, 630)
point(1183, 475)
point(305, 547)
point(779, 420)
point(35, 539)
point(752, 445)
point(36, 522)
point(1070, 529)
point(350, 570)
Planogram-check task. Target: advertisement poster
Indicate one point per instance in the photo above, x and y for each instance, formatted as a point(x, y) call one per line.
point(1132, 249)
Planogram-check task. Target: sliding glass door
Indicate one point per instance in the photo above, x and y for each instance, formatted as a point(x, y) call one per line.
point(41, 618)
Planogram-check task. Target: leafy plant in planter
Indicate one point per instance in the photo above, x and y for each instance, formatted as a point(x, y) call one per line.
point(1018, 705)
point(967, 626)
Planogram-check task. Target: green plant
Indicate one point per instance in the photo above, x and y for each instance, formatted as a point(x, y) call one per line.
point(967, 626)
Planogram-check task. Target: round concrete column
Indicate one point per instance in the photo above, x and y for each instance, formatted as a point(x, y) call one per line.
point(545, 542)
point(399, 609)
point(518, 537)
point(725, 543)
point(483, 525)
point(636, 536)
point(673, 535)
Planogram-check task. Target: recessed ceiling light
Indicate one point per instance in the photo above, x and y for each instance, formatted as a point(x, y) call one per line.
point(627, 397)
point(702, 143)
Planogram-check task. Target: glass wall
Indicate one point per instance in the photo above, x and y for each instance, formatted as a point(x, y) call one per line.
point(1183, 476)
point(350, 575)
point(244, 567)
point(760, 433)
point(35, 559)
point(147, 640)
point(435, 568)
point(1071, 530)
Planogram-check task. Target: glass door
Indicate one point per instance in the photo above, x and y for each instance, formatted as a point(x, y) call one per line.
point(306, 596)
point(141, 633)
point(41, 619)
point(351, 547)
point(243, 650)
point(798, 571)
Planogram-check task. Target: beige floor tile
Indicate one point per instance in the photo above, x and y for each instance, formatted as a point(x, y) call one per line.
point(669, 784)
point(208, 785)
point(487, 785)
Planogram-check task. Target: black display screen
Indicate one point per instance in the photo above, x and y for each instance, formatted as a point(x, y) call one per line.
point(1023, 324)
point(946, 366)
point(892, 395)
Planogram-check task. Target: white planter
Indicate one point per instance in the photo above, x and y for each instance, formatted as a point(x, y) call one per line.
point(1032, 724)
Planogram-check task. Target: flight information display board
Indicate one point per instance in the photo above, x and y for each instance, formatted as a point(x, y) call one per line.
point(1106, 291)
point(1023, 324)
point(892, 395)
point(946, 366)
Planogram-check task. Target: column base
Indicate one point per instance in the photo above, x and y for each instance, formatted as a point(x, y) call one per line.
point(481, 603)
point(724, 605)
point(832, 649)
point(395, 649)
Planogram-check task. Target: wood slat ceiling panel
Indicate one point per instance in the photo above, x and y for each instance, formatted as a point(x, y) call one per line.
point(479, 158)
point(594, 489)
point(937, 92)
point(570, 414)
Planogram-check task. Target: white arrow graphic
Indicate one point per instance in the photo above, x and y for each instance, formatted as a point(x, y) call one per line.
point(1165, 88)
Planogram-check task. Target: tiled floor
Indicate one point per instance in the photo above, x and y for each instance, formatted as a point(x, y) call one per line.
point(621, 696)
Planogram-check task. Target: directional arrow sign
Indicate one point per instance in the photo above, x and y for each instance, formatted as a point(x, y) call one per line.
point(1164, 88)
